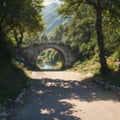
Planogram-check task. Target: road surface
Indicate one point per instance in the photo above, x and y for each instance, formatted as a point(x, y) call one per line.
point(67, 96)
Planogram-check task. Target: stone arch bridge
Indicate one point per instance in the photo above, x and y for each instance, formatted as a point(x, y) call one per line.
point(31, 53)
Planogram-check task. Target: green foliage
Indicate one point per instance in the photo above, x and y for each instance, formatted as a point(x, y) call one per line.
point(76, 64)
point(51, 17)
point(5, 51)
point(51, 57)
point(56, 36)
point(116, 54)
point(43, 38)
point(12, 80)
point(79, 33)
point(95, 58)
point(98, 8)
point(18, 18)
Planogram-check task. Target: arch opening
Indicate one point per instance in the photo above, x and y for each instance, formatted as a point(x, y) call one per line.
point(50, 59)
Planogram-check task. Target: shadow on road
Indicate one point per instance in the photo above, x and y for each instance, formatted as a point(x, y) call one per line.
point(48, 99)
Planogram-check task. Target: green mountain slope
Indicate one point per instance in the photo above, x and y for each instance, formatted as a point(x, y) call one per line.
point(52, 19)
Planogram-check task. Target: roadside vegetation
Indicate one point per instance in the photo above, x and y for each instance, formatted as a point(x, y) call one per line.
point(94, 36)
point(12, 80)
point(94, 67)
point(20, 21)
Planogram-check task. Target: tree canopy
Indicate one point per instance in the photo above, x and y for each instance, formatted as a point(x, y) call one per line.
point(20, 16)
point(102, 10)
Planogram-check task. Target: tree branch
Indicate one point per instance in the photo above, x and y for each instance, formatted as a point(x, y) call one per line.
point(90, 2)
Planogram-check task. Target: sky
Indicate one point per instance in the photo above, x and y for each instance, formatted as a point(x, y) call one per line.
point(47, 2)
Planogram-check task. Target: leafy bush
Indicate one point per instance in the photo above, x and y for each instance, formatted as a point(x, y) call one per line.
point(116, 54)
point(12, 80)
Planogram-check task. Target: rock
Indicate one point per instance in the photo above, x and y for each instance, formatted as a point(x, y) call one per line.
point(107, 86)
point(85, 68)
point(93, 63)
point(118, 90)
point(22, 64)
point(3, 118)
point(113, 88)
point(8, 107)
point(10, 100)
point(4, 114)
point(101, 82)
point(20, 96)
point(2, 108)
point(117, 62)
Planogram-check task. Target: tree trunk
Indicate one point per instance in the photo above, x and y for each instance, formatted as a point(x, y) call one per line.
point(104, 68)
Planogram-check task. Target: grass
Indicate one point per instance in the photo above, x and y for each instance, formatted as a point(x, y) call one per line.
point(89, 66)
point(86, 66)
point(12, 80)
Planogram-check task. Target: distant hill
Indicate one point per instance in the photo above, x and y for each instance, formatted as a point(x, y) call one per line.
point(52, 19)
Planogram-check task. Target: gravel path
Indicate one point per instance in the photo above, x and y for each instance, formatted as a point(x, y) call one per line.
point(67, 96)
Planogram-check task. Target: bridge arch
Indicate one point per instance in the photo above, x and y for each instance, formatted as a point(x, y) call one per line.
point(31, 53)
point(60, 53)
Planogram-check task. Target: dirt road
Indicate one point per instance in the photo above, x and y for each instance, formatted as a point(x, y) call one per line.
point(67, 96)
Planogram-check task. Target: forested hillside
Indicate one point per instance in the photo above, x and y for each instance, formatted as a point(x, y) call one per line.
point(92, 35)
point(89, 37)
point(51, 17)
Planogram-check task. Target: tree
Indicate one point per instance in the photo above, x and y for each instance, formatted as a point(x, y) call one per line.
point(44, 38)
point(56, 35)
point(99, 6)
point(79, 33)
point(19, 17)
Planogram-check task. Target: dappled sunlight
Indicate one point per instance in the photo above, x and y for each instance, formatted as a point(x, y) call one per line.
point(60, 75)
point(92, 109)
point(72, 99)
point(47, 111)
point(59, 99)
point(56, 119)
point(84, 90)
point(40, 92)
point(61, 84)
point(75, 96)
